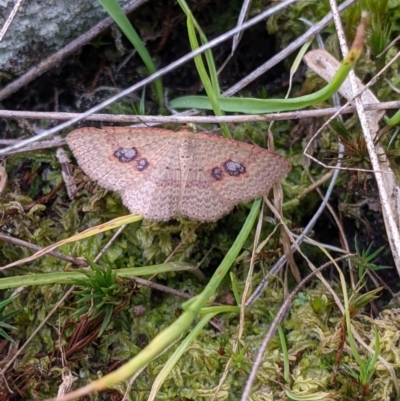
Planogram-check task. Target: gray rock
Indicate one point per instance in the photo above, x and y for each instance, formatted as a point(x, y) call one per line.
point(42, 27)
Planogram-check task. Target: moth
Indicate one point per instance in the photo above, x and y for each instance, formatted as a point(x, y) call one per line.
point(162, 174)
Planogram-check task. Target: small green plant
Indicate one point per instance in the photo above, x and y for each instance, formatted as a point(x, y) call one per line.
point(365, 260)
point(355, 153)
point(366, 369)
point(103, 293)
point(241, 361)
point(355, 150)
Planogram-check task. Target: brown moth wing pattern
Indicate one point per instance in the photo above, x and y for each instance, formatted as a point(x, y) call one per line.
point(162, 174)
point(134, 162)
point(95, 150)
point(239, 172)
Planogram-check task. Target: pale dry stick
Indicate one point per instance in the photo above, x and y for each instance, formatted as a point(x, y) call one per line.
point(329, 207)
point(242, 16)
point(52, 143)
point(66, 172)
point(282, 260)
point(162, 288)
point(392, 43)
point(50, 62)
point(132, 380)
point(184, 118)
point(280, 315)
point(68, 379)
point(330, 247)
point(327, 72)
point(151, 78)
point(390, 220)
point(57, 57)
point(285, 53)
point(317, 36)
point(3, 176)
point(339, 27)
point(10, 18)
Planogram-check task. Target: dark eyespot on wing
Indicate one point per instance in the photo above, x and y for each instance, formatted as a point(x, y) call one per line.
point(234, 168)
point(126, 155)
point(217, 173)
point(142, 164)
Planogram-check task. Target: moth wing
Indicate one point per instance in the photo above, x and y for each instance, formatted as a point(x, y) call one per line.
point(238, 172)
point(119, 157)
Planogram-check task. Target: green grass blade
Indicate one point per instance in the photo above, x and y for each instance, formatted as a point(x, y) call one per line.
point(394, 120)
point(116, 13)
point(106, 320)
point(209, 79)
point(262, 106)
point(208, 53)
point(69, 277)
